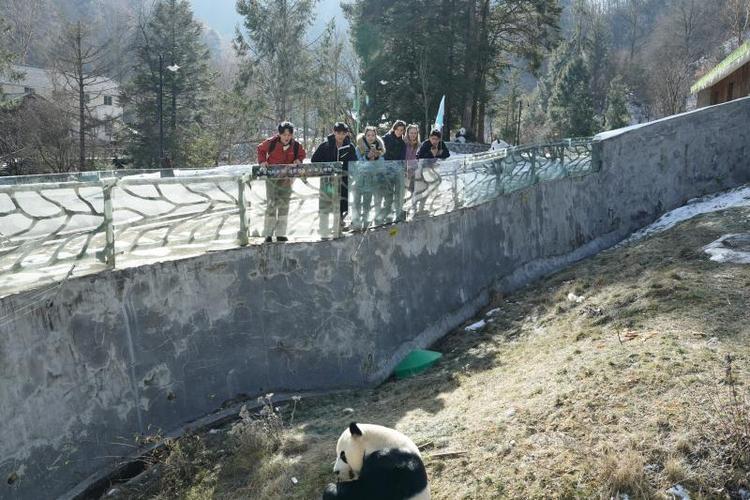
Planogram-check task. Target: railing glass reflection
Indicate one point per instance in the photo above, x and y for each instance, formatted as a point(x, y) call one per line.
point(96, 220)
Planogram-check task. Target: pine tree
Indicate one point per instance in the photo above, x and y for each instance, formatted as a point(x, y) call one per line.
point(172, 67)
point(570, 109)
point(273, 48)
point(412, 53)
point(617, 115)
point(324, 95)
point(596, 48)
point(556, 62)
point(507, 108)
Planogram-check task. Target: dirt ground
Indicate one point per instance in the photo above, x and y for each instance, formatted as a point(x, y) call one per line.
point(607, 379)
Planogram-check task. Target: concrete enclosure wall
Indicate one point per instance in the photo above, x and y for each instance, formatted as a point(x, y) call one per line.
point(130, 351)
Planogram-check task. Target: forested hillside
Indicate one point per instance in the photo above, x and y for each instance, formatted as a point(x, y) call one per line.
point(645, 52)
point(526, 70)
point(219, 101)
point(570, 64)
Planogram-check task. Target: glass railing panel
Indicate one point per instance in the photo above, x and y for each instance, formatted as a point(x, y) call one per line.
point(155, 217)
point(47, 229)
point(376, 193)
point(301, 203)
point(52, 224)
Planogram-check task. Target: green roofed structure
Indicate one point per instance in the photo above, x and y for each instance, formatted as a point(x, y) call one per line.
point(728, 80)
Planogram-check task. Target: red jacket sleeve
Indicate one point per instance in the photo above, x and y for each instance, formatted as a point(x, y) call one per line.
point(263, 151)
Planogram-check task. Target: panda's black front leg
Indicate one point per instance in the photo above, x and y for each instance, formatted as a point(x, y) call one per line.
point(345, 490)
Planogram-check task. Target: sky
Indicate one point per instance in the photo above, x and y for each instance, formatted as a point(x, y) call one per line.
point(222, 16)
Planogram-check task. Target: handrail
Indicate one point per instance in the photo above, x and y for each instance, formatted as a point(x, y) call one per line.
point(97, 220)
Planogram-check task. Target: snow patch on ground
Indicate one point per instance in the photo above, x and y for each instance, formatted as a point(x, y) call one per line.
point(738, 197)
point(476, 326)
point(678, 491)
point(730, 249)
point(576, 298)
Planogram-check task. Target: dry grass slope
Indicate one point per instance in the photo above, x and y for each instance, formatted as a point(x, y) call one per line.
point(624, 392)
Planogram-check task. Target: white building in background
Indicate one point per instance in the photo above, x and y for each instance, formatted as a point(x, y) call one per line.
point(102, 95)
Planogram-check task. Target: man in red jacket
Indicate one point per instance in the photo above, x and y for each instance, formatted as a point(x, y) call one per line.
point(281, 149)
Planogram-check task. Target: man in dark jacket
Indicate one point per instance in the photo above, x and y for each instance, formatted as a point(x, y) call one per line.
point(434, 147)
point(337, 147)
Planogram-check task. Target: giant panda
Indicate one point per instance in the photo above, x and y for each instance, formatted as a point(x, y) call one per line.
point(375, 462)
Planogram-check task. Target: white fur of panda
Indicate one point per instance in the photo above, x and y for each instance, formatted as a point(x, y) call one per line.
point(376, 462)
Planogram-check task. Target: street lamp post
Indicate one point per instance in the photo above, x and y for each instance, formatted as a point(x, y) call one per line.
point(161, 110)
point(356, 108)
point(173, 68)
point(518, 125)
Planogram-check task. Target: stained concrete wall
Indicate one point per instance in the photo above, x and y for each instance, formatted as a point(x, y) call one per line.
point(130, 351)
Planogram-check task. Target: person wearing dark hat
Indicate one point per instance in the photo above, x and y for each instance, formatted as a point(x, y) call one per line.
point(337, 147)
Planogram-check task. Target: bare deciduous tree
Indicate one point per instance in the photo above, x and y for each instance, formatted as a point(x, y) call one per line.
point(669, 84)
point(36, 137)
point(27, 20)
point(633, 15)
point(737, 15)
point(83, 65)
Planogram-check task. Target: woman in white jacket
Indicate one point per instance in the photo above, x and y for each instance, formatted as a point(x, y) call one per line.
point(370, 151)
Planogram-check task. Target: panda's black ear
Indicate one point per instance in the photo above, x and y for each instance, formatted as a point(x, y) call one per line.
point(355, 431)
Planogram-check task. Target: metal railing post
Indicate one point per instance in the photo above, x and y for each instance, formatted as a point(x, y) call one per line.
point(562, 158)
point(242, 234)
point(109, 227)
point(336, 203)
point(532, 172)
point(454, 188)
point(595, 155)
point(401, 215)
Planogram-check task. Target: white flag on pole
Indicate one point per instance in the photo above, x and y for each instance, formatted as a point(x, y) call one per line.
point(440, 115)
